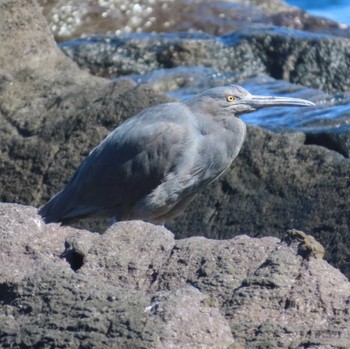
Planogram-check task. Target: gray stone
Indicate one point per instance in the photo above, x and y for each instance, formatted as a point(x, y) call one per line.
point(51, 112)
point(137, 287)
point(45, 303)
point(331, 139)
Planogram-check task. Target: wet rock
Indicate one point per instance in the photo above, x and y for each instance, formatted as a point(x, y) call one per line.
point(138, 287)
point(314, 60)
point(114, 56)
point(74, 18)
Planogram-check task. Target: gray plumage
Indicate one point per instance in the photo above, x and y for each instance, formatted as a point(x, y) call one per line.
point(153, 164)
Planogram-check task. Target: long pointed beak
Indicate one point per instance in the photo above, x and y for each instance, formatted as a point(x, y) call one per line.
point(270, 101)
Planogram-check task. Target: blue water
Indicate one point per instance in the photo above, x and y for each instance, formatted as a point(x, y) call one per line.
point(338, 10)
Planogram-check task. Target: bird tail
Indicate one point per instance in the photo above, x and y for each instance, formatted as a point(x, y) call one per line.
point(62, 208)
point(55, 209)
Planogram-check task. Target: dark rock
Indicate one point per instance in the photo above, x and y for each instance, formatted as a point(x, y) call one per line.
point(314, 60)
point(337, 141)
point(115, 56)
point(51, 112)
point(138, 287)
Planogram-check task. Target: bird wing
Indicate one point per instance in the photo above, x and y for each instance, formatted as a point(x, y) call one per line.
point(128, 164)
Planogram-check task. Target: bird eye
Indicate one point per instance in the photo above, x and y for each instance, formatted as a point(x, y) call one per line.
point(230, 98)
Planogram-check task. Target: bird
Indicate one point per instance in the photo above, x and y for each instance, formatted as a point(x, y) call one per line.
point(153, 164)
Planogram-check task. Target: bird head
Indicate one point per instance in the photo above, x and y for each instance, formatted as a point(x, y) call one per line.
point(236, 100)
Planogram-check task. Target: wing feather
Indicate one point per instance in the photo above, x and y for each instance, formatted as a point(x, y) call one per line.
point(126, 166)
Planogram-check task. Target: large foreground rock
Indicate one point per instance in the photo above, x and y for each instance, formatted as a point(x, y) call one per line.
point(135, 286)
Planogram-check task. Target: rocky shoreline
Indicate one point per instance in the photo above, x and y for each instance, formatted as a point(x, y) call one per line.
point(136, 286)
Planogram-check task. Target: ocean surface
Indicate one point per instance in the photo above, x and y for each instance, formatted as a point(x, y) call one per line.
point(338, 10)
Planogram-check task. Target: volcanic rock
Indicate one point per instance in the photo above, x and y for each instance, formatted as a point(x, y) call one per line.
point(135, 286)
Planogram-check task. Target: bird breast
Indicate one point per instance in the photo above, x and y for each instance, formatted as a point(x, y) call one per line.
point(221, 142)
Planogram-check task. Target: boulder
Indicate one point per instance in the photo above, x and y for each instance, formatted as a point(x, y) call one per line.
point(51, 112)
point(136, 286)
point(311, 59)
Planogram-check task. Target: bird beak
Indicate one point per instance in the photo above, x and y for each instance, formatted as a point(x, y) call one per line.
point(270, 101)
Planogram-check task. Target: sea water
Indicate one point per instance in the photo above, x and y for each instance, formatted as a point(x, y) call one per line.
point(337, 10)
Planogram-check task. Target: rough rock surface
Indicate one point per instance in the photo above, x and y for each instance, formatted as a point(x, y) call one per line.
point(314, 60)
point(135, 286)
point(51, 112)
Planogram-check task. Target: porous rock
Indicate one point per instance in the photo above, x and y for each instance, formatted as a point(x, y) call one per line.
point(312, 60)
point(136, 286)
point(44, 302)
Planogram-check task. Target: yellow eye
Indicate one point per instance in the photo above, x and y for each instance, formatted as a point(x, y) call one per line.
point(230, 98)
